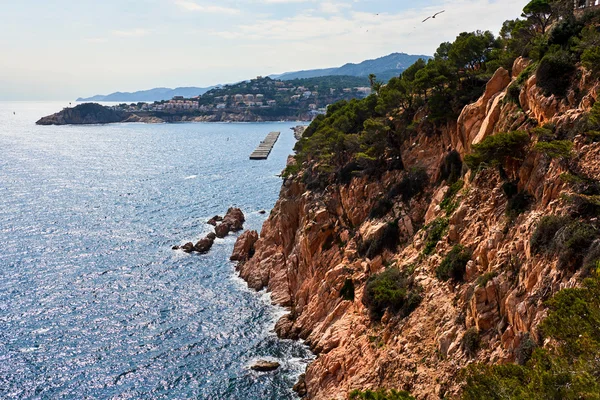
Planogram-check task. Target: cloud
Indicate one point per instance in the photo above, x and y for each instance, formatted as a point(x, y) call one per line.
point(193, 6)
point(96, 40)
point(329, 7)
point(131, 33)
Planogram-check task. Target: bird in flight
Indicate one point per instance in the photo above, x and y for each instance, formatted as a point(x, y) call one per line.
point(434, 15)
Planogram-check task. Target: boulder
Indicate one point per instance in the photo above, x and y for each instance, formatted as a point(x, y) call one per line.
point(235, 218)
point(300, 386)
point(213, 221)
point(244, 246)
point(232, 222)
point(265, 366)
point(188, 247)
point(204, 245)
point(222, 230)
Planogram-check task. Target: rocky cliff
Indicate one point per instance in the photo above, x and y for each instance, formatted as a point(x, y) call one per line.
point(316, 242)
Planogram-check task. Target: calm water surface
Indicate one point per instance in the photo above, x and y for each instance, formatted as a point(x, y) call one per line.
point(93, 303)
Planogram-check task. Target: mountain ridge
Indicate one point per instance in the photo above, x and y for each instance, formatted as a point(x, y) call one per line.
point(384, 67)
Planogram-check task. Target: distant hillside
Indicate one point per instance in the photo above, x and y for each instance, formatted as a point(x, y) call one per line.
point(156, 94)
point(384, 67)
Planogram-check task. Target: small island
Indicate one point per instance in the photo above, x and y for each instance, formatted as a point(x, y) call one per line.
point(257, 100)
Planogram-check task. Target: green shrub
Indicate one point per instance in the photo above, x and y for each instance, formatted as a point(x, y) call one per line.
point(555, 149)
point(485, 278)
point(544, 133)
point(513, 93)
point(572, 244)
point(451, 168)
point(381, 208)
point(389, 239)
point(413, 183)
point(543, 237)
point(518, 204)
point(555, 73)
point(348, 171)
point(435, 232)
point(390, 290)
point(380, 394)
point(570, 240)
point(594, 136)
point(497, 149)
point(525, 349)
point(510, 189)
point(594, 116)
point(454, 265)
point(449, 203)
point(470, 341)
point(347, 291)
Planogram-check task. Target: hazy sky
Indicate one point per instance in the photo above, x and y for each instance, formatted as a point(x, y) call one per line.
point(63, 49)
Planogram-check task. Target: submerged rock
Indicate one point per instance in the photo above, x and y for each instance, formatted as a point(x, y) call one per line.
point(265, 366)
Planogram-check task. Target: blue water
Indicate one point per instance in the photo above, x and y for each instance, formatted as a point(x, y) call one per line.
point(93, 302)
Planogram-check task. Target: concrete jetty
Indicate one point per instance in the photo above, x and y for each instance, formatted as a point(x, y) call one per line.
point(264, 148)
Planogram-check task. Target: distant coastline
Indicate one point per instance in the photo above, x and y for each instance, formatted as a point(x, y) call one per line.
point(94, 114)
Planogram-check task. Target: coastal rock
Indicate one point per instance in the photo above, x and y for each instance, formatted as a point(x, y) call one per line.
point(85, 114)
point(214, 220)
point(232, 222)
point(204, 245)
point(244, 246)
point(300, 386)
point(265, 366)
point(235, 218)
point(188, 247)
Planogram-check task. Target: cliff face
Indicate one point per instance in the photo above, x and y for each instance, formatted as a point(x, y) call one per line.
point(310, 246)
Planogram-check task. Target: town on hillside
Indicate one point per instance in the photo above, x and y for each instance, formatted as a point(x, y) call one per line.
point(264, 97)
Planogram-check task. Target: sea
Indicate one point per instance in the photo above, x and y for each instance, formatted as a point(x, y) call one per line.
point(94, 304)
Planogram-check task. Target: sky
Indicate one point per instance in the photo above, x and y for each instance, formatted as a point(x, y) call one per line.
point(63, 49)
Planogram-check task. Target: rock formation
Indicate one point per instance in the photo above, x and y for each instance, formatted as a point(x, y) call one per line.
point(314, 242)
point(89, 113)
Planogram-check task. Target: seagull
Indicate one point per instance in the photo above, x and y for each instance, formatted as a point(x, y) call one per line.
point(434, 15)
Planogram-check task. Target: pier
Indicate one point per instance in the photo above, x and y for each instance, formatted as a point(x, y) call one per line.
point(264, 148)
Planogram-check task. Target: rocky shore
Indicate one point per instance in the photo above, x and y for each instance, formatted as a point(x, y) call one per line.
point(314, 246)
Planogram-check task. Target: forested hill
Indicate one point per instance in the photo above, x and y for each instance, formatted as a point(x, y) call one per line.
point(384, 67)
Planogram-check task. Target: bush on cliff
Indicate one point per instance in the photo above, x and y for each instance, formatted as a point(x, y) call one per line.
point(555, 73)
point(388, 239)
point(570, 240)
point(561, 149)
point(567, 368)
point(391, 290)
point(435, 231)
point(498, 150)
point(380, 394)
point(347, 291)
point(454, 265)
point(413, 183)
